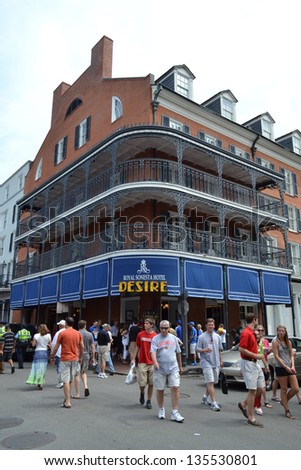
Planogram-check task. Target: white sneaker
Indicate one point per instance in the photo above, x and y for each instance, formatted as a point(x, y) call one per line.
point(258, 411)
point(59, 385)
point(100, 375)
point(206, 400)
point(161, 414)
point(215, 406)
point(104, 376)
point(177, 417)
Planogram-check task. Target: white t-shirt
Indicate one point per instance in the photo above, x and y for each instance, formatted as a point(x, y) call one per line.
point(42, 341)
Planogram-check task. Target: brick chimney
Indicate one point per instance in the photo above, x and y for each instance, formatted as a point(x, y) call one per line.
point(102, 57)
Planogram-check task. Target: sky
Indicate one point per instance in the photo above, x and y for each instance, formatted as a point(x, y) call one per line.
point(249, 47)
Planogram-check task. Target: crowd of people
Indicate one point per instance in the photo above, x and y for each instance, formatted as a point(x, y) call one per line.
point(156, 352)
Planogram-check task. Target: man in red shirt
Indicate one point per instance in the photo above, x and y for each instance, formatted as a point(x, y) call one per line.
point(71, 357)
point(251, 370)
point(145, 363)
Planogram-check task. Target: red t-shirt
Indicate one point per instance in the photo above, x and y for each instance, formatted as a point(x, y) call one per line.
point(70, 340)
point(143, 341)
point(248, 341)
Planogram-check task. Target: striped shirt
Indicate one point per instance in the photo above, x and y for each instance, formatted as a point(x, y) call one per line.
point(9, 339)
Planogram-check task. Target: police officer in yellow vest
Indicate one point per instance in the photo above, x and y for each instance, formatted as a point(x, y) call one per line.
point(23, 338)
point(2, 331)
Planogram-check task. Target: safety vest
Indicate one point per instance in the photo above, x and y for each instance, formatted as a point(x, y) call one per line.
point(2, 331)
point(23, 335)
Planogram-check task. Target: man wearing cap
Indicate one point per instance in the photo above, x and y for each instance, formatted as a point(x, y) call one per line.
point(179, 330)
point(22, 338)
point(62, 326)
point(192, 342)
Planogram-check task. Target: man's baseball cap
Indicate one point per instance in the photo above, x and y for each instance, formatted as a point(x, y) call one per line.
point(61, 322)
point(191, 323)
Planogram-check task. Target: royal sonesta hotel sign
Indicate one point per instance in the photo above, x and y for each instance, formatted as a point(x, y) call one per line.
point(143, 281)
point(145, 275)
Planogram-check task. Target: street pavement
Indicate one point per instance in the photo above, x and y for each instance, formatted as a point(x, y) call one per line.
point(111, 418)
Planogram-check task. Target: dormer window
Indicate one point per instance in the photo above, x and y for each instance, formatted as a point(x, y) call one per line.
point(266, 129)
point(291, 141)
point(222, 103)
point(227, 108)
point(262, 124)
point(179, 79)
point(297, 144)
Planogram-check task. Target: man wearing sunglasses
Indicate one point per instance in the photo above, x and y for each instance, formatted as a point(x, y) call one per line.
point(166, 356)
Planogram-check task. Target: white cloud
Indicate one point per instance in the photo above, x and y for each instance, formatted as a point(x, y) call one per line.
point(249, 47)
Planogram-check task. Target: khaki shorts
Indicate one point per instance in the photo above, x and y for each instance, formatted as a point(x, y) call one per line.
point(161, 381)
point(103, 354)
point(69, 370)
point(145, 374)
point(84, 365)
point(253, 375)
point(211, 375)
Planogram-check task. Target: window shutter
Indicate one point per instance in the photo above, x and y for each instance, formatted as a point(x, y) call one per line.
point(295, 184)
point(186, 129)
point(56, 149)
point(76, 140)
point(247, 155)
point(298, 219)
point(165, 121)
point(65, 148)
point(258, 160)
point(232, 148)
point(282, 171)
point(272, 166)
point(219, 143)
point(88, 128)
point(201, 136)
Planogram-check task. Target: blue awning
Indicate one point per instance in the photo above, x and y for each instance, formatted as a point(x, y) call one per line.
point(17, 295)
point(276, 288)
point(96, 280)
point(204, 280)
point(32, 292)
point(49, 289)
point(146, 269)
point(243, 284)
point(70, 285)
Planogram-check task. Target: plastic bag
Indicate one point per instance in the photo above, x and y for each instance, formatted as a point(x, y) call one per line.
point(131, 378)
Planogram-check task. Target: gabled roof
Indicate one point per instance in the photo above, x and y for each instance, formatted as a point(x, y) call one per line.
point(259, 117)
point(290, 134)
point(175, 68)
point(221, 93)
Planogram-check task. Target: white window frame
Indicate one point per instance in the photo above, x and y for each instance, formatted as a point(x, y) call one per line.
point(117, 108)
point(297, 144)
point(267, 129)
point(60, 151)
point(82, 135)
point(20, 182)
point(295, 257)
point(182, 85)
point(227, 108)
point(292, 218)
point(266, 164)
point(39, 170)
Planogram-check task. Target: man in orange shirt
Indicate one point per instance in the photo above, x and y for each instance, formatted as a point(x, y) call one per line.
point(71, 357)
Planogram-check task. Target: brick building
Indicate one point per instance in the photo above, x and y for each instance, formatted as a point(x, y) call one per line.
point(141, 200)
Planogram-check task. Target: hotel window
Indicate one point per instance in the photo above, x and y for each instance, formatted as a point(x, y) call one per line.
point(1, 246)
point(293, 215)
point(20, 182)
point(227, 109)
point(266, 129)
point(4, 219)
point(295, 252)
point(117, 109)
point(82, 133)
point(239, 152)
point(39, 170)
point(60, 151)
point(210, 139)
point(173, 124)
point(290, 182)
point(297, 145)
point(6, 193)
point(265, 163)
point(182, 85)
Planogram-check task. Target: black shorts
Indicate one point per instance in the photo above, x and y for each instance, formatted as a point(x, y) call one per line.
point(7, 356)
point(281, 372)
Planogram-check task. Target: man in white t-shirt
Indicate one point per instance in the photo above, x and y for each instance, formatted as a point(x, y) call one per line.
point(62, 326)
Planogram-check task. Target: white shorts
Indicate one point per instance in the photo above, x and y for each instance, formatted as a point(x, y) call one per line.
point(69, 369)
point(211, 375)
point(161, 381)
point(253, 375)
point(192, 348)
